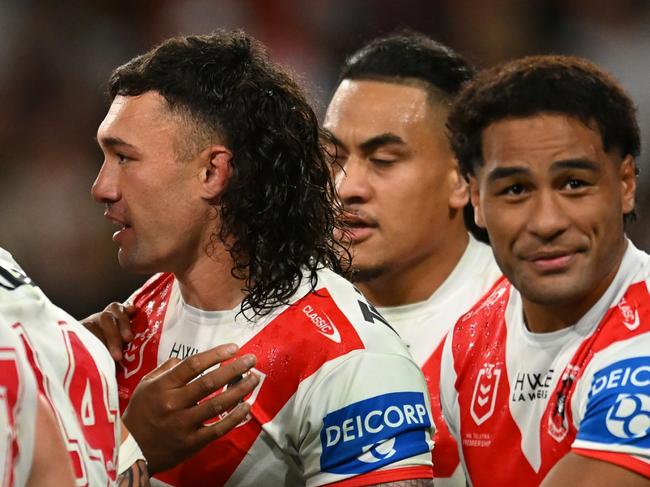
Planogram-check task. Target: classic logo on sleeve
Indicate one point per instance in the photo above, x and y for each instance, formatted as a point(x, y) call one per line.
point(618, 408)
point(369, 434)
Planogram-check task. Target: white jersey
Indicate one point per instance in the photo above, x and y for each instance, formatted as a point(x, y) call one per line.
point(73, 370)
point(18, 410)
point(339, 395)
point(424, 325)
point(522, 400)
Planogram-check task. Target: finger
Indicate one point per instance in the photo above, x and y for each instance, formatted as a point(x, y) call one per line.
point(91, 324)
point(114, 342)
point(222, 402)
point(130, 309)
point(206, 434)
point(166, 366)
point(216, 379)
point(192, 366)
point(122, 319)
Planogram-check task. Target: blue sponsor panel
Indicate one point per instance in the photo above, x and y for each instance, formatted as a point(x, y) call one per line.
point(618, 407)
point(369, 434)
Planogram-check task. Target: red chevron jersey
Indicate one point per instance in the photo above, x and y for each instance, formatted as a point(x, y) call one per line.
point(423, 327)
point(73, 371)
point(518, 401)
point(339, 401)
point(18, 407)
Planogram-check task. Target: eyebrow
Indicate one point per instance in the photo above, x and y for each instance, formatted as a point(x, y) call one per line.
point(115, 142)
point(379, 140)
point(506, 172)
point(579, 163)
point(368, 145)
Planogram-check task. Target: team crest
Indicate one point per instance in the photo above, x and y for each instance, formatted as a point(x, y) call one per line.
point(558, 423)
point(485, 393)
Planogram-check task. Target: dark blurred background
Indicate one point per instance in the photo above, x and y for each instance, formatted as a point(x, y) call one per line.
point(56, 56)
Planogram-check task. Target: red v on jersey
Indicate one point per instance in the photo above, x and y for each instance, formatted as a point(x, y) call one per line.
point(491, 439)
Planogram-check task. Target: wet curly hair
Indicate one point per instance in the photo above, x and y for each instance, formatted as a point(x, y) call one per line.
point(536, 84)
point(279, 209)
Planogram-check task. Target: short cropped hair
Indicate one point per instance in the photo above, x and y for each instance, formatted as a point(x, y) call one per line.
point(412, 58)
point(279, 210)
point(554, 84)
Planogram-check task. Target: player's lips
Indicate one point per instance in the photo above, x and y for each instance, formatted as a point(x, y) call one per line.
point(124, 230)
point(551, 260)
point(359, 227)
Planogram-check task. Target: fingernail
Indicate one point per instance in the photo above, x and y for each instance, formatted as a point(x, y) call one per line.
point(249, 360)
point(231, 348)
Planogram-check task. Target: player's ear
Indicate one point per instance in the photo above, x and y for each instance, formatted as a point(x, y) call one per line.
point(627, 172)
point(215, 171)
point(475, 198)
point(459, 195)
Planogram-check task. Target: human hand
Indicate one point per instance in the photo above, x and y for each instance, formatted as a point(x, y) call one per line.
point(112, 326)
point(165, 416)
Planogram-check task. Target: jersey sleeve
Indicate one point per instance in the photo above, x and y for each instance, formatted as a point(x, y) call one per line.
point(614, 406)
point(366, 422)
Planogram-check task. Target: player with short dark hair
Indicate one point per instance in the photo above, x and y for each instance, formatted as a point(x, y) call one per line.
point(554, 390)
point(215, 175)
point(405, 198)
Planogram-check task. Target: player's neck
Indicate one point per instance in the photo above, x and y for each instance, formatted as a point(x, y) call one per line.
point(208, 283)
point(416, 281)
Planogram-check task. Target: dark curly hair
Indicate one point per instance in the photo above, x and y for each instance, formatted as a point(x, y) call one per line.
point(408, 57)
point(279, 209)
point(536, 84)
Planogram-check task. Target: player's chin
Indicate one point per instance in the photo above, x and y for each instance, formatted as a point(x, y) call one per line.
point(361, 273)
point(552, 290)
point(133, 262)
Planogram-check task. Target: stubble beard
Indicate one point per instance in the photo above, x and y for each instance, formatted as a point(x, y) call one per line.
point(367, 274)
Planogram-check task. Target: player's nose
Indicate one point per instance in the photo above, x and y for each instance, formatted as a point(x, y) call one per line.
point(105, 189)
point(352, 182)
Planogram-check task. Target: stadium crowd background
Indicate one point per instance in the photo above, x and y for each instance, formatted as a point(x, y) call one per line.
point(55, 58)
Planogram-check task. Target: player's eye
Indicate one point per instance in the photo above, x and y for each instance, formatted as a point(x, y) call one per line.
point(513, 190)
point(574, 183)
point(382, 161)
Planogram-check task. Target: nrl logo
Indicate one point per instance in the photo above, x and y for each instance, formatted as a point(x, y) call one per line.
point(485, 393)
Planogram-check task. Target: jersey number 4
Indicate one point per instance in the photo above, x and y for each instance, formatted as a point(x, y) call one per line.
point(87, 390)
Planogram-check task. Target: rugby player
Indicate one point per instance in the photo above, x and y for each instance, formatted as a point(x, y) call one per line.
point(546, 381)
point(404, 198)
point(214, 173)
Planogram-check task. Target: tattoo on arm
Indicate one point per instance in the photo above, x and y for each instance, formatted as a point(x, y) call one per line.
point(136, 476)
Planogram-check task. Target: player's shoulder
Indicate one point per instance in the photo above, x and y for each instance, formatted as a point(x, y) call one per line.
point(354, 312)
point(15, 284)
point(629, 313)
point(489, 309)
